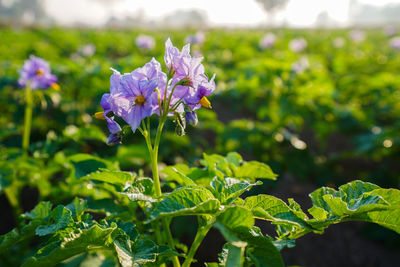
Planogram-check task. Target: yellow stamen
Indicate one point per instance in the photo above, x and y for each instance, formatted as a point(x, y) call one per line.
point(99, 115)
point(205, 102)
point(39, 72)
point(139, 100)
point(55, 86)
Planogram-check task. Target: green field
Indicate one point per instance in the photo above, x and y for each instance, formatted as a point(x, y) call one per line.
point(335, 121)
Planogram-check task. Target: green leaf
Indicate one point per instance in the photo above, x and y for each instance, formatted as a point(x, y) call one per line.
point(228, 189)
point(83, 164)
point(76, 242)
point(232, 255)
point(77, 207)
point(187, 200)
point(136, 253)
point(38, 216)
point(59, 218)
point(178, 176)
point(235, 218)
point(354, 201)
point(389, 218)
point(40, 211)
point(273, 209)
point(255, 169)
point(141, 189)
point(234, 158)
point(234, 166)
point(117, 178)
point(180, 172)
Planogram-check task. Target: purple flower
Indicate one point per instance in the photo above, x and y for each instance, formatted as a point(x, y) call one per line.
point(173, 56)
point(267, 41)
point(395, 43)
point(197, 98)
point(36, 74)
point(188, 76)
point(357, 36)
point(390, 30)
point(114, 139)
point(298, 45)
point(145, 42)
point(108, 115)
point(131, 98)
point(151, 70)
point(197, 38)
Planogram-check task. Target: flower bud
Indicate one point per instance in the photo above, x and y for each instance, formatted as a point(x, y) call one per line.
point(191, 118)
point(114, 139)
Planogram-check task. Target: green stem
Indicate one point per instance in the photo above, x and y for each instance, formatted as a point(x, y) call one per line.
point(157, 186)
point(27, 119)
point(201, 233)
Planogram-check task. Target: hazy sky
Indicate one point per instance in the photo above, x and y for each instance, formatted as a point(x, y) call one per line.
point(219, 12)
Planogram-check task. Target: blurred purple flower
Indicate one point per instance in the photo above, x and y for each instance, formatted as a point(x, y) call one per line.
point(87, 50)
point(197, 38)
point(395, 43)
point(145, 42)
point(390, 30)
point(36, 74)
point(267, 41)
point(357, 36)
point(298, 45)
point(131, 98)
point(301, 65)
point(338, 42)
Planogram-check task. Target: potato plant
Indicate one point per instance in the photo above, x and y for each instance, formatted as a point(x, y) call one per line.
point(111, 217)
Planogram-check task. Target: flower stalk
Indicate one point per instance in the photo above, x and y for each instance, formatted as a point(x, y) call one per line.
point(153, 150)
point(27, 119)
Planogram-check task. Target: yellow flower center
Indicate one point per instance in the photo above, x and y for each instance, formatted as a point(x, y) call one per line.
point(55, 86)
point(205, 102)
point(99, 115)
point(139, 100)
point(39, 72)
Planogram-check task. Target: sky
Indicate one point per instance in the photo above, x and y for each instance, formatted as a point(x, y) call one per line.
point(298, 13)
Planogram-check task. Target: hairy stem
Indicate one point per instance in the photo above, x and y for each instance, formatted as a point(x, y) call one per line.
point(27, 119)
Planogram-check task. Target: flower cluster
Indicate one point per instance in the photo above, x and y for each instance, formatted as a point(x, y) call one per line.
point(148, 90)
point(36, 74)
